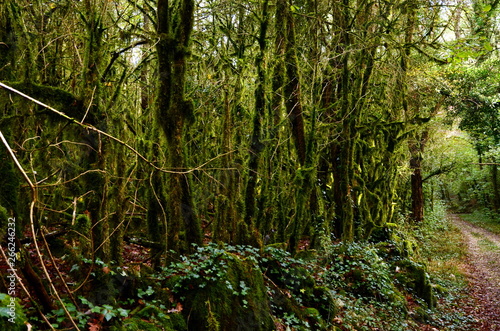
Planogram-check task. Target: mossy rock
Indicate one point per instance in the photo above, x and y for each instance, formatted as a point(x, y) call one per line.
point(235, 301)
point(12, 316)
point(414, 277)
point(323, 299)
point(314, 319)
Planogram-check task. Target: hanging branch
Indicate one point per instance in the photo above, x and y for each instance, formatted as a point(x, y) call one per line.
point(34, 195)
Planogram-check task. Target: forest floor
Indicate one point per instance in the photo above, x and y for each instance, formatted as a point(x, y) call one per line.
point(482, 269)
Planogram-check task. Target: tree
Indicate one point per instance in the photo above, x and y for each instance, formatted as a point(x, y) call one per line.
point(174, 27)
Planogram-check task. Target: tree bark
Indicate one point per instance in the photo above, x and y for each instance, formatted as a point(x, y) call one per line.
point(256, 144)
point(173, 111)
point(417, 193)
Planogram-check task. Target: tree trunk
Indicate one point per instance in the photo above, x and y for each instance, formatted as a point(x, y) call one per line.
point(256, 144)
point(292, 88)
point(417, 193)
point(173, 110)
point(496, 188)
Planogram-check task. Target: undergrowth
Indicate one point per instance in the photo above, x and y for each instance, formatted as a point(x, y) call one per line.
point(407, 278)
point(440, 244)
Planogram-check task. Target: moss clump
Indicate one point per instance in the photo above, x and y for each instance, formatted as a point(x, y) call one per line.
point(158, 318)
point(314, 319)
point(323, 299)
point(81, 231)
point(169, 322)
point(11, 314)
point(233, 297)
point(414, 277)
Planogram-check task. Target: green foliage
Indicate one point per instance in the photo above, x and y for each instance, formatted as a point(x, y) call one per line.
point(153, 316)
point(475, 100)
point(60, 318)
point(12, 316)
point(358, 269)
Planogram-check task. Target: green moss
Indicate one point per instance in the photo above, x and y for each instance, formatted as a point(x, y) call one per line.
point(139, 324)
point(81, 232)
point(414, 277)
point(212, 323)
point(314, 319)
point(156, 316)
point(11, 314)
point(55, 97)
point(324, 300)
point(237, 299)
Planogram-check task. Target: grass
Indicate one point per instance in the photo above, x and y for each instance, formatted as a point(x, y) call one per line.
point(485, 219)
point(488, 245)
point(442, 247)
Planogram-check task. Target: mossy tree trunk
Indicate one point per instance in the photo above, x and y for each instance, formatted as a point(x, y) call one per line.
point(294, 108)
point(345, 161)
point(174, 27)
point(259, 114)
point(227, 195)
point(91, 93)
point(157, 201)
point(292, 87)
point(272, 218)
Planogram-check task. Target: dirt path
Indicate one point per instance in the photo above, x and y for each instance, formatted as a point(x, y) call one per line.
point(483, 270)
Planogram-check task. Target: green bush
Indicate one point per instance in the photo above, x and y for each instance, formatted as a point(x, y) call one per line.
point(357, 268)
